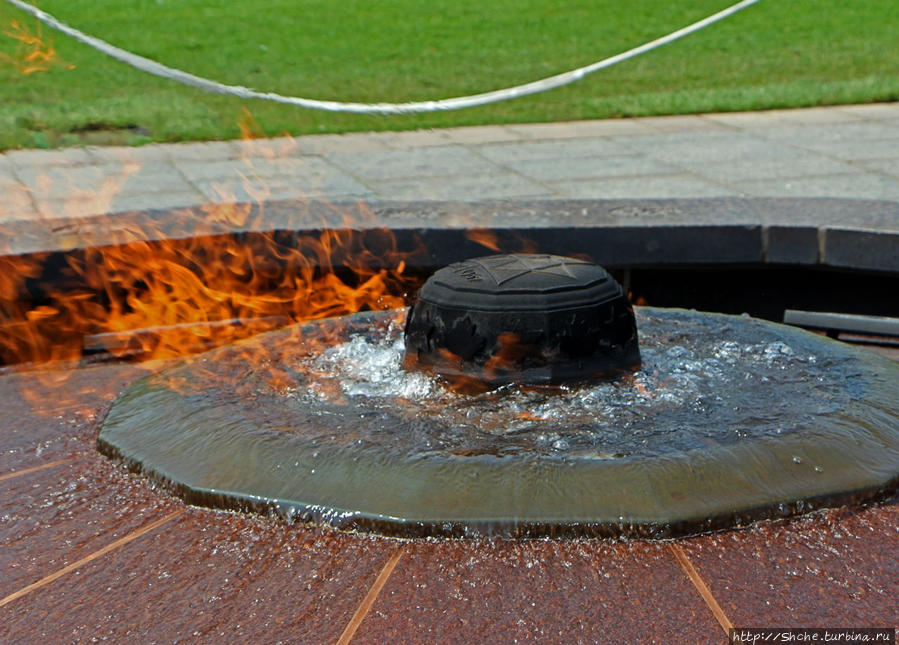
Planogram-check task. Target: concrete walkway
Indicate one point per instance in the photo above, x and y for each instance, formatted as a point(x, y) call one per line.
point(848, 152)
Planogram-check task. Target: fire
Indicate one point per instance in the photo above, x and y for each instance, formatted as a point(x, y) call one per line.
point(508, 355)
point(172, 297)
point(484, 237)
point(143, 292)
point(639, 301)
point(514, 243)
point(33, 54)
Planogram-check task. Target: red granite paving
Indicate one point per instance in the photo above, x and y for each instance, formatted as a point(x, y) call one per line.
point(58, 515)
point(836, 568)
point(52, 415)
point(211, 577)
point(538, 592)
point(218, 577)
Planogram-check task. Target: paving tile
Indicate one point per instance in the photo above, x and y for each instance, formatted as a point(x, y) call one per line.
point(482, 134)
point(743, 120)
point(54, 411)
point(579, 129)
point(203, 151)
point(155, 153)
point(780, 118)
point(871, 111)
point(46, 158)
point(447, 136)
point(59, 515)
point(538, 592)
point(257, 190)
point(797, 164)
point(412, 138)
point(836, 568)
point(496, 185)
point(120, 203)
point(646, 187)
point(17, 212)
point(854, 150)
point(814, 115)
point(816, 135)
point(886, 166)
point(7, 178)
point(548, 150)
point(858, 185)
point(434, 161)
point(14, 197)
point(597, 168)
point(274, 148)
point(707, 147)
point(257, 167)
point(682, 123)
point(104, 181)
point(328, 144)
point(208, 577)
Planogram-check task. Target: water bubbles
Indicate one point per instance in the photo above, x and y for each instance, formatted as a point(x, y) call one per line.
point(371, 369)
point(698, 385)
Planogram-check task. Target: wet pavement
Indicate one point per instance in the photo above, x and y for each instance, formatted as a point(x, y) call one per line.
point(88, 551)
point(78, 562)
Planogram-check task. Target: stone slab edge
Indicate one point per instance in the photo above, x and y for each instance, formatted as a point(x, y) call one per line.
point(843, 233)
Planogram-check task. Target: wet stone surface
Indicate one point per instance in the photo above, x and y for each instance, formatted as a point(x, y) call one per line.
point(730, 419)
point(216, 577)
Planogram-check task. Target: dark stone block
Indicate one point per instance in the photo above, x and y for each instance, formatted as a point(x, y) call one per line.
point(791, 245)
point(872, 250)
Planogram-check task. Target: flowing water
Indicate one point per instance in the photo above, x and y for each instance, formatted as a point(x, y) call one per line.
point(701, 382)
point(729, 419)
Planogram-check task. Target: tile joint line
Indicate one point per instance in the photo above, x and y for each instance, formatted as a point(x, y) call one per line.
point(34, 469)
point(93, 556)
point(701, 587)
point(369, 600)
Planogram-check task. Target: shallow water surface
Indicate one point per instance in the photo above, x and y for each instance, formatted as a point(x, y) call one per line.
point(701, 383)
point(729, 419)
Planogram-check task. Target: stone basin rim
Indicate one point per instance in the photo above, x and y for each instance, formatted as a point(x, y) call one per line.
point(641, 521)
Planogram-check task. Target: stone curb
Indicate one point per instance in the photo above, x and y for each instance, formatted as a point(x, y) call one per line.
point(847, 234)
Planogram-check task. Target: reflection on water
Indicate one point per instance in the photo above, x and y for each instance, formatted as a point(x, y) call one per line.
point(701, 384)
point(729, 420)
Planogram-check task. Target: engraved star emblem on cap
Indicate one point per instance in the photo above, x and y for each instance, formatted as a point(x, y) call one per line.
point(508, 267)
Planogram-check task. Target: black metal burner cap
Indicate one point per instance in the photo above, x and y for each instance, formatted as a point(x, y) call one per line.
point(522, 318)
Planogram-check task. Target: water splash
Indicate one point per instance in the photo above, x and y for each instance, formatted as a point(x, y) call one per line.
point(693, 389)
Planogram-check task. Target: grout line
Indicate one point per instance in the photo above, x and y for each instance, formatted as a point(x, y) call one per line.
point(369, 599)
point(93, 556)
point(701, 587)
point(34, 469)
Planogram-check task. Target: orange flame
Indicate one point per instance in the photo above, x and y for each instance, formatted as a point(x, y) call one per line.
point(33, 54)
point(249, 126)
point(508, 354)
point(173, 297)
point(129, 295)
point(639, 302)
point(516, 243)
point(484, 237)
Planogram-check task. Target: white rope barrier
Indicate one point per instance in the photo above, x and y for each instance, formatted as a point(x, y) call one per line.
point(457, 103)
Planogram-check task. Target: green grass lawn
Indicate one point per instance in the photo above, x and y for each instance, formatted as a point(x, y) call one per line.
point(779, 53)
